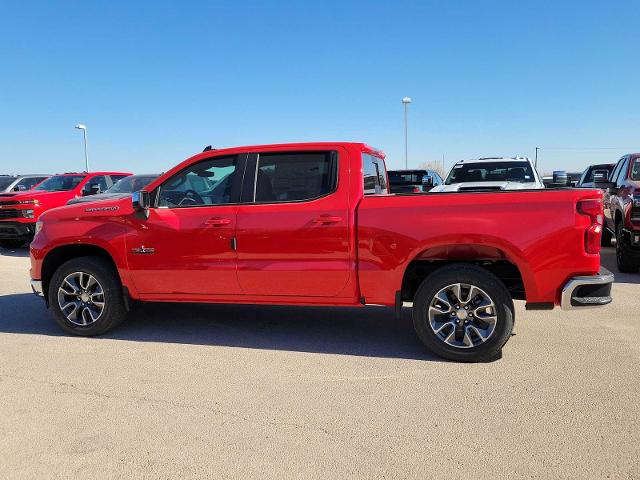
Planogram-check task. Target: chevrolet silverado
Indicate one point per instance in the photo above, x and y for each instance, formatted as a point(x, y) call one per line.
point(314, 224)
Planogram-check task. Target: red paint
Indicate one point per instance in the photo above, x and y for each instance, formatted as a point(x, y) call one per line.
point(333, 250)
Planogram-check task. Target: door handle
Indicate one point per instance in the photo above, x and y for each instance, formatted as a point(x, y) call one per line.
point(327, 219)
point(217, 222)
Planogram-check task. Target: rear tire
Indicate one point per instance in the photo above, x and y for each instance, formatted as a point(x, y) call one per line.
point(625, 263)
point(11, 244)
point(85, 295)
point(464, 313)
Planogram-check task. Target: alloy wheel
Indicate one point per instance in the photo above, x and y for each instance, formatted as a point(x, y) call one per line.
point(81, 298)
point(462, 315)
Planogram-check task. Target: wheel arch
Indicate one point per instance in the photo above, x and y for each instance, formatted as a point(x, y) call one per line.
point(503, 263)
point(64, 253)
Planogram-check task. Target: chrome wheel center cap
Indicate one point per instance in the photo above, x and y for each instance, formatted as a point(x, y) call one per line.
point(462, 314)
point(85, 297)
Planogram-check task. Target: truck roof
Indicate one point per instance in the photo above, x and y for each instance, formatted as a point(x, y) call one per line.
point(496, 159)
point(302, 145)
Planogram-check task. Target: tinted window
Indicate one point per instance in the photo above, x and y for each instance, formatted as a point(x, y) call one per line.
point(406, 178)
point(290, 177)
point(491, 172)
point(117, 178)
point(5, 182)
point(375, 175)
point(60, 183)
point(100, 181)
point(635, 170)
point(622, 174)
point(132, 183)
point(209, 182)
point(29, 183)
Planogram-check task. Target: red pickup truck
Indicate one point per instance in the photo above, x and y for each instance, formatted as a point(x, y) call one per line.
point(19, 212)
point(314, 224)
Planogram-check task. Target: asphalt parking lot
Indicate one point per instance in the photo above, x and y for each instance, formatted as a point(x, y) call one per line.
point(269, 392)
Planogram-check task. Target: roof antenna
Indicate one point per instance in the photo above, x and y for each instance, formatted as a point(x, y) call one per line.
point(207, 148)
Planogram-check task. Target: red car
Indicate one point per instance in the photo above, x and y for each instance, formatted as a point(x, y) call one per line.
point(622, 211)
point(19, 212)
point(314, 224)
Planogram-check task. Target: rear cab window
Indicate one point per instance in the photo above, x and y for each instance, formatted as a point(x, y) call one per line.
point(374, 174)
point(294, 176)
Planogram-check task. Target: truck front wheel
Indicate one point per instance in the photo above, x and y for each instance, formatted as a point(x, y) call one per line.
point(626, 264)
point(86, 297)
point(463, 312)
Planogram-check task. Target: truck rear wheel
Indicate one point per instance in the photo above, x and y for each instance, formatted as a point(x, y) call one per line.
point(463, 312)
point(86, 297)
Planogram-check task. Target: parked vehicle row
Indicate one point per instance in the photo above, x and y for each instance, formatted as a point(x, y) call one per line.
point(19, 211)
point(314, 224)
point(19, 183)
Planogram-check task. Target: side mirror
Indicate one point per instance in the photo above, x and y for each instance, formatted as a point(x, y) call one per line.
point(140, 200)
point(560, 178)
point(90, 190)
point(427, 181)
point(19, 188)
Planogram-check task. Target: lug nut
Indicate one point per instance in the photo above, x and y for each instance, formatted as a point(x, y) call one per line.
point(466, 307)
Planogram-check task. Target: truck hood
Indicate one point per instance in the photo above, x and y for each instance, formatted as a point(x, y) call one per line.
point(101, 197)
point(81, 211)
point(486, 186)
point(42, 197)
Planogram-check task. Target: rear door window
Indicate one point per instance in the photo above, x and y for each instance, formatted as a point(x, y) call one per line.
point(294, 177)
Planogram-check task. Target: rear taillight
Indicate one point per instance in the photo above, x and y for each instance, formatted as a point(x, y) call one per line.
point(592, 208)
point(416, 190)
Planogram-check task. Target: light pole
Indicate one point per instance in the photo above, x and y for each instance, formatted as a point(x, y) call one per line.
point(82, 127)
point(536, 162)
point(406, 101)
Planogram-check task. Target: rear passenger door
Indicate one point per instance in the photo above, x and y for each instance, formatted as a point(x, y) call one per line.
point(293, 230)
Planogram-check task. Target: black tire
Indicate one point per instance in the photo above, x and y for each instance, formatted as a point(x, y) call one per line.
point(625, 263)
point(606, 237)
point(11, 244)
point(490, 285)
point(113, 312)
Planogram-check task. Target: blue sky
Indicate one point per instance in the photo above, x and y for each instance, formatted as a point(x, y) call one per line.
point(157, 81)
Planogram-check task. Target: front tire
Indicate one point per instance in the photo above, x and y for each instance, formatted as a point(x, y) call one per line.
point(85, 295)
point(464, 313)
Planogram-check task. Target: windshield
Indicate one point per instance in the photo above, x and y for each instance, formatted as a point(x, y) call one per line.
point(131, 184)
point(60, 183)
point(635, 170)
point(491, 172)
point(409, 177)
point(5, 182)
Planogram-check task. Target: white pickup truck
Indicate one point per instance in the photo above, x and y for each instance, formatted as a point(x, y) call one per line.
point(495, 173)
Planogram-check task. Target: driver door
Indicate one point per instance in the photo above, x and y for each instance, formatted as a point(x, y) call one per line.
point(185, 245)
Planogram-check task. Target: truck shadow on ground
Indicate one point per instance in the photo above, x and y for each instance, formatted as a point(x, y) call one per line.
point(608, 261)
point(22, 252)
point(370, 331)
